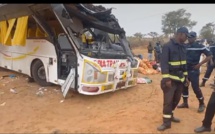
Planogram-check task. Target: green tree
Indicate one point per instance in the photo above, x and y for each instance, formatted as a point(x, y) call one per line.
point(138, 35)
point(154, 35)
point(207, 31)
point(171, 21)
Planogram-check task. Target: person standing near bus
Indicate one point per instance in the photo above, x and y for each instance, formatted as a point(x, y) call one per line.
point(174, 73)
point(194, 51)
point(209, 115)
point(150, 50)
point(210, 64)
point(158, 51)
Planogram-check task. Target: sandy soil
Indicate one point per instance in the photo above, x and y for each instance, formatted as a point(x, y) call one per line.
point(133, 110)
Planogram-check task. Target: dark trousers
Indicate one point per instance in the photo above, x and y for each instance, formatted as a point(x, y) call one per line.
point(171, 98)
point(155, 55)
point(158, 57)
point(210, 111)
point(193, 76)
point(208, 72)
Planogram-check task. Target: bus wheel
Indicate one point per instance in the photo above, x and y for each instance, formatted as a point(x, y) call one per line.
point(39, 73)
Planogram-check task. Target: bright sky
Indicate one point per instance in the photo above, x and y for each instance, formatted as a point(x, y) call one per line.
point(146, 18)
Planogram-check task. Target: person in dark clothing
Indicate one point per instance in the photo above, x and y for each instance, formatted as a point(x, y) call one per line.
point(150, 49)
point(174, 73)
point(194, 51)
point(209, 115)
point(158, 51)
point(210, 64)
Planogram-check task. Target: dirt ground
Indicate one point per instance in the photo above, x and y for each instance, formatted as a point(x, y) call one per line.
point(133, 110)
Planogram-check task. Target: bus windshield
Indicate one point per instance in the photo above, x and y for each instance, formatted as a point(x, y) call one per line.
point(100, 35)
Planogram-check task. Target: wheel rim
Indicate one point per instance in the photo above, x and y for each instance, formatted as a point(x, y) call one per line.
point(41, 73)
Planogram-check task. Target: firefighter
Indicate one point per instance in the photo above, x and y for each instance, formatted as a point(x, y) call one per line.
point(209, 115)
point(210, 64)
point(194, 51)
point(174, 72)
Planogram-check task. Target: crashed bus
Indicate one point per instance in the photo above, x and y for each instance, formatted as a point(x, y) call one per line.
point(48, 42)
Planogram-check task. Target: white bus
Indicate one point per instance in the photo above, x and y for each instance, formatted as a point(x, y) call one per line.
point(45, 42)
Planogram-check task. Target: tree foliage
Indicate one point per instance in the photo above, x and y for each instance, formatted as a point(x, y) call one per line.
point(171, 21)
point(207, 31)
point(154, 35)
point(138, 35)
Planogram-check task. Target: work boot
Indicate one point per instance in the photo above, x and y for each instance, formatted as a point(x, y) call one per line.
point(201, 108)
point(202, 84)
point(202, 129)
point(183, 105)
point(163, 127)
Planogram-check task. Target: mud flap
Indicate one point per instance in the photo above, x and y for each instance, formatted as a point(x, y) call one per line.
point(68, 82)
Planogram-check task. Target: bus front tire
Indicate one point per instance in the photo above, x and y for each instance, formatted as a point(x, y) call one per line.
point(39, 73)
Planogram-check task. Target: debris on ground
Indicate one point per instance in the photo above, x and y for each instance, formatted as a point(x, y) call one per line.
point(61, 101)
point(12, 90)
point(10, 75)
point(40, 93)
point(144, 80)
point(41, 88)
point(3, 104)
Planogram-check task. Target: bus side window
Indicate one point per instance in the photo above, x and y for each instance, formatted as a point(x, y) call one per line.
point(31, 32)
point(34, 30)
point(40, 33)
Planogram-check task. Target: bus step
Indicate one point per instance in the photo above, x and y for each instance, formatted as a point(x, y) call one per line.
point(67, 84)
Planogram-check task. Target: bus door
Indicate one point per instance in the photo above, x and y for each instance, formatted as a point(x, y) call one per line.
point(67, 45)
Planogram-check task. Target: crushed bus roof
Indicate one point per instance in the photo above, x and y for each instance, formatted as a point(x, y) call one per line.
point(92, 16)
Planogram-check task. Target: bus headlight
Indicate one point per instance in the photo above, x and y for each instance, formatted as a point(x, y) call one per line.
point(92, 75)
point(89, 72)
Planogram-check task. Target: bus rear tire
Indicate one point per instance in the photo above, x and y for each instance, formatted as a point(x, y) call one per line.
point(39, 73)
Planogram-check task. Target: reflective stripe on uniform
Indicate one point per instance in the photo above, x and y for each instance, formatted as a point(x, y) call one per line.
point(176, 63)
point(205, 78)
point(167, 116)
point(165, 75)
point(185, 96)
point(198, 48)
point(185, 73)
point(173, 77)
